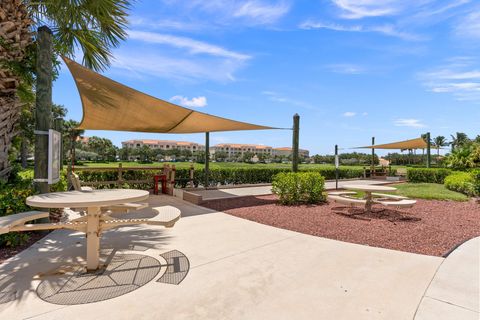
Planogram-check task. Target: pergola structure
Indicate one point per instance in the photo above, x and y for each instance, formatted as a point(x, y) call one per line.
point(109, 105)
point(411, 144)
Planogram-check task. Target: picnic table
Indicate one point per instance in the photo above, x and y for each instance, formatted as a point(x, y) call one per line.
point(368, 189)
point(96, 219)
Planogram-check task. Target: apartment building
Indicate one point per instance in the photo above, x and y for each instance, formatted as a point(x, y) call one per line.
point(287, 151)
point(236, 149)
point(164, 145)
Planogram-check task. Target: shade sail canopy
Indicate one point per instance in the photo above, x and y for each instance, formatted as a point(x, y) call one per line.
point(109, 105)
point(418, 143)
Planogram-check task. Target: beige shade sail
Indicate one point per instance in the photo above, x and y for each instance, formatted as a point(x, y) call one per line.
point(418, 143)
point(109, 105)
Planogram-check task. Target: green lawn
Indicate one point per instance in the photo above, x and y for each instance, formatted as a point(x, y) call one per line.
point(432, 191)
point(429, 191)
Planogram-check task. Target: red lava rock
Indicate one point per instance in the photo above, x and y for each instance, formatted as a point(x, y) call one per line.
point(431, 227)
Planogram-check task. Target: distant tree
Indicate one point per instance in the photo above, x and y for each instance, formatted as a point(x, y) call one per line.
point(145, 154)
point(220, 156)
point(459, 140)
point(439, 142)
point(102, 146)
point(247, 156)
point(70, 136)
point(200, 156)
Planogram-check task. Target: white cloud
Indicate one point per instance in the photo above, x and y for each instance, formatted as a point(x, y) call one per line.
point(195, 102)
point(357, 9)
point(194, 46)
point(469, 26)
point(413, 123)
point(349, 114)
point(387, 29)
point(460, 77)
point(260, 12)
point(346, 68)
point(364, 114)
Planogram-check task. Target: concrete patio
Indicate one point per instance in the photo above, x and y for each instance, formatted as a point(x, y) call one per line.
point(238, 270)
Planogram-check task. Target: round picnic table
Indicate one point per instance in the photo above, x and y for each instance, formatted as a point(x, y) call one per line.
point(93, 200)
point(368, 189)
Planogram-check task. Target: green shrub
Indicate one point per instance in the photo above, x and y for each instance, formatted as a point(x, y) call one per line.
point(300, 187)
point(462, 182)
point(428, 175)
point(476, 181)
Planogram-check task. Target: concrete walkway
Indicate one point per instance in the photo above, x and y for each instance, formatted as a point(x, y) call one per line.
point(455, 290)
point(239, 269)
point(225, 193)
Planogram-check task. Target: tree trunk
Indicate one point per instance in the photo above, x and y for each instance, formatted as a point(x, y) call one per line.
point(15, 35)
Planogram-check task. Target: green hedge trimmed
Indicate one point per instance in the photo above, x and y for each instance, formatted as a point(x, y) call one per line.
point(224, 176)
point(299, 187)
point(462, 182)
point(428, 175)
point(476, 181)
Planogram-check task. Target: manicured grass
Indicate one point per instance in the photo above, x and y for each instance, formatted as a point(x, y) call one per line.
point(432, 191)
point(428, 191)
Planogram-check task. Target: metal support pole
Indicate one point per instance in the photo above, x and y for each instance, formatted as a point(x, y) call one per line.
point(372, 173)
point(58, 126)
point(429, 159)
point(43, 106)
point(207, 157)
point(337, 163)
point(93, 238)
point(295, 141)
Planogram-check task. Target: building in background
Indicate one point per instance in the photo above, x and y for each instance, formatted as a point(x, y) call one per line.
point(235, 150)
point(287, 151)
point(164, 145)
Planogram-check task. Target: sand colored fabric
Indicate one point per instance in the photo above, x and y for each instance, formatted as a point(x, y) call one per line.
point(418, 143)
point(109, 105)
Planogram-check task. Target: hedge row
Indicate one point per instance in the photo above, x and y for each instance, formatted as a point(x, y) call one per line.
point(223, 176)
point(464, 182)
point(299, 187)
point(428, 175)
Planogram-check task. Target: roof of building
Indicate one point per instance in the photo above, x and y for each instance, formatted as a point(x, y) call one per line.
point(242, 145)
point(152, 141)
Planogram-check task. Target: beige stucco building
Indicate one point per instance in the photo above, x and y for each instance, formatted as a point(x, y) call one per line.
point(164, 145)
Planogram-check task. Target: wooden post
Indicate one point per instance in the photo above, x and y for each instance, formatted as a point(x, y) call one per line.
point(120, 175)
point(429, 159)
point(372, 173)
point(93, 238)
point(43, 107)
point(295, 141)
point(207, 158)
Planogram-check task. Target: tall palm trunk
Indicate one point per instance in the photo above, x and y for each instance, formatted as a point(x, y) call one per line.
point(15, 36)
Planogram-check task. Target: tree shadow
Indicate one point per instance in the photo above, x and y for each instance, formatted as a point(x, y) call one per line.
point(378, 214)
point(240, 202)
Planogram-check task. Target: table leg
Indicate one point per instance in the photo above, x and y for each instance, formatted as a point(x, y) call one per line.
point(368, 204)
point(93, 238)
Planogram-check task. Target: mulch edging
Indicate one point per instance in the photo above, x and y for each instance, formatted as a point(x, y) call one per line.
point(8, 252)
point(431, 227)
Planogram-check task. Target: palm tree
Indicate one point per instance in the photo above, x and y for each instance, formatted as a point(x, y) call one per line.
point(71, 135)
point(458, 140)
point(94, 27)
point(439, 141)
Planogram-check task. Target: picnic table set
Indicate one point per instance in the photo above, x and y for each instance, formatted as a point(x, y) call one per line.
point(100, 205)
point(372, 197)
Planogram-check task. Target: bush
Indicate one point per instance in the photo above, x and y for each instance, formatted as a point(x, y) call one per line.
point(476, 181)
point(428, 175)
point(299, 187)
point(462, 182)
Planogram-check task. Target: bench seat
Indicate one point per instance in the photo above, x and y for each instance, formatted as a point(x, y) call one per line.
point(166, 216)
point(348, 201)
point(404, 203)
point(385, 195)
point(18, 219)
point(339, 193)
point(125, 207)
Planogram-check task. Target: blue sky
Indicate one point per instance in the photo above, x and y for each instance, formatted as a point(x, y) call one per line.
point(352, 69)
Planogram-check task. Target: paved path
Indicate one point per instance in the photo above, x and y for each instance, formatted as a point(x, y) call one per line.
point(454, 292)
point(263, 190)
point(239, 269)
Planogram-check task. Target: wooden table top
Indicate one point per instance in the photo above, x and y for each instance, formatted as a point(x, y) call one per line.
point(82, 199)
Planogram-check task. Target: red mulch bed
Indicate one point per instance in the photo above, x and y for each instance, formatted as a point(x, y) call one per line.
point(7, 252)
point(431, 227)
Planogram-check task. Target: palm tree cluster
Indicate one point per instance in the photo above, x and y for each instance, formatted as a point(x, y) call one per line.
point(91, 27)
